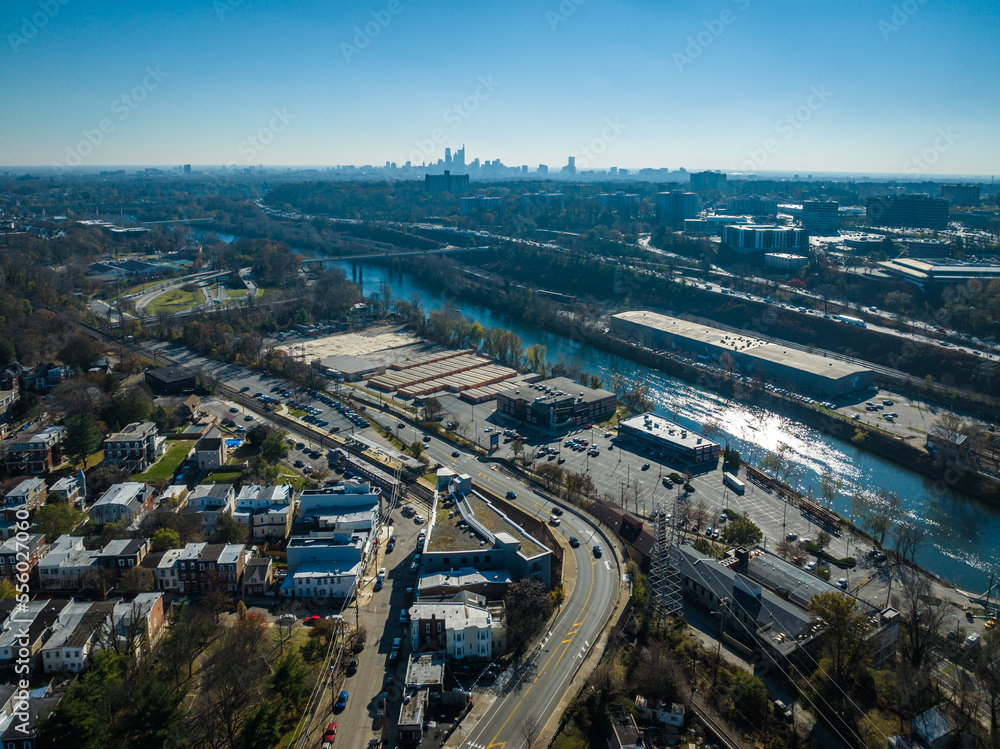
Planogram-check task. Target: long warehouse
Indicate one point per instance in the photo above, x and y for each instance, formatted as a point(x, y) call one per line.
point(801, 370)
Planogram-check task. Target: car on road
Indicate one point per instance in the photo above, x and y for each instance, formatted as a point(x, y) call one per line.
point(341, 702)
point(574, 541)
point(511, 495)
point(244, 389)
point(427, 438)
point(234, 410)
point(352, 667)
point(402, 616)
point(597, 550)
point(555, 519)
point(393, 657)
point(557, 510)
point(455, 453)
point(248, 417)
point(842, 583)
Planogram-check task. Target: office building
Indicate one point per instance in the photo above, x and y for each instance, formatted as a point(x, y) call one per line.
point(672, 441)
point(570, 167)
point(821, 216)
point(626, 205)
point(557, 404)
point(447, 182)
point(784, 260)
point(673, 207)
point(753, 206)
point(913, 211)
point(712, 225)
point(170, 380)
point(922, 274)
point(482, 204)
point(961, 194)
point(706, 181)
point(749, 238)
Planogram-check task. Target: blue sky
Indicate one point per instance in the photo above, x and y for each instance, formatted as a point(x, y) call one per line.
point(755, 85)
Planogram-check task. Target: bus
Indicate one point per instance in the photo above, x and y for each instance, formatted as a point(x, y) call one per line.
point(852, 321)
point(730, 480)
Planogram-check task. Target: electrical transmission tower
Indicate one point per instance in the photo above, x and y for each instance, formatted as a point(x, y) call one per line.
point(665, 566)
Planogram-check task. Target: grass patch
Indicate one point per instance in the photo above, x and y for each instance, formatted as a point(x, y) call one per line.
point(165, 466)
point(235, 293)
point(571, 737)
point(175, 300)
point(298, 413)
point(141, 287)
point(222, 477)
point(288, 476)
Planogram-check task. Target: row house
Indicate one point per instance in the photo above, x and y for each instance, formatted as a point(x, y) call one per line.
point(211, 567)
point(120, 555)
point(8, 397)
point(46, 376)
point(127, 501)
point(209, 502)
point(28, 495)
point(26, 626)
point(258, 577)
point(267, 511)
point(75, 636)
point(71, 489)
point(39, 453)
point(463, 626)
point(66, 564)
point(136, 447)
point(164, 565)
point(19, 557)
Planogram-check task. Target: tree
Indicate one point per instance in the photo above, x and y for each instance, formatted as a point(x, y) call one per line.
point(290, 681)
point(137, 580)
point(741, 531)
point(986, 668)
point(528, 608)
point(274, 448)
point(535, 358)
point(81, 351)
point(416, 448)
point(256, 436)
point(529, 729)
point(55, 519)
point(82, 436)
point(921, 621)
point(432, 409)
point(7, 588)
point(846, 626)
point(262, 729)
point(550, 474)
point(228, 531)
point(165, 538)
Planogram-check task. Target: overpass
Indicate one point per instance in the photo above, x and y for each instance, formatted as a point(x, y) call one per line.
point(409, 253)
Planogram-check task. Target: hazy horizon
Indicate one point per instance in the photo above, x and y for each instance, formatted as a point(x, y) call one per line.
point(737, 85)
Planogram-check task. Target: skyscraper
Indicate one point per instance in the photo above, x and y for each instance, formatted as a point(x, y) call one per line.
point(570, 168)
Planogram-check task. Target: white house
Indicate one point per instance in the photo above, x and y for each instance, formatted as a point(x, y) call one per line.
point(462, 626)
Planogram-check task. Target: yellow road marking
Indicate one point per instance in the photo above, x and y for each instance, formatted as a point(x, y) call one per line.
point(586, 613)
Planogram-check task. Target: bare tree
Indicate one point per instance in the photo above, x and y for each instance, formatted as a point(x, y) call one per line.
point(529, 729)
point(921, 618)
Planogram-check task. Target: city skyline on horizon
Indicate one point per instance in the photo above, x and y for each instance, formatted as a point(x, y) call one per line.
point(624, 83)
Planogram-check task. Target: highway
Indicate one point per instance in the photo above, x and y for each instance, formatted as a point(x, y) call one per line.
point(531, 689)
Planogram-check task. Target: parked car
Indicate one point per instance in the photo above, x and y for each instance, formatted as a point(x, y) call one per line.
point(341, 702)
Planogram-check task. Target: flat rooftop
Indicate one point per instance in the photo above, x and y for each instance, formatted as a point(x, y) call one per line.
point(556, 389)
point(667, 431)
point(743, 345)
point(451, 533)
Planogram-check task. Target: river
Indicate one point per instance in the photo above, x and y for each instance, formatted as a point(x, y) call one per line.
point(963, 533)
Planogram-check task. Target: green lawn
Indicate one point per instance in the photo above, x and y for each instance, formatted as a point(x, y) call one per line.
point(141, 287)
point(165, 466)
point(235, 293)
point(222, 477)
point(175, 300)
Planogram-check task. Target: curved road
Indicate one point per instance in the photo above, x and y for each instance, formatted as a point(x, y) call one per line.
point(532, 688)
